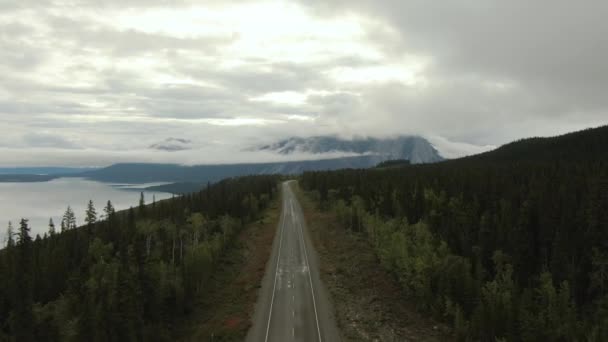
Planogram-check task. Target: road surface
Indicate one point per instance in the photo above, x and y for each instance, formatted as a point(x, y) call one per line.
point(293, 304)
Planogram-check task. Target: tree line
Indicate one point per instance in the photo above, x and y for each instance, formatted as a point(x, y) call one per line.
point(503, 248)
point(123, 276)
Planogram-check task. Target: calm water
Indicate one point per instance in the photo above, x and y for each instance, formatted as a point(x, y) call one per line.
point(40, 201)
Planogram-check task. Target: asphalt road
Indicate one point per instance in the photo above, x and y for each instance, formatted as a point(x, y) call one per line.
point(293, 304)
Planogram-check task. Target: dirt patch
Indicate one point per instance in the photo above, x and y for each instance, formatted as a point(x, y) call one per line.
point(225, 312)
point(369, 304)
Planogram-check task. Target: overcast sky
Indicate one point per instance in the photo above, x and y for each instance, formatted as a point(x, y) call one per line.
point(96, 82)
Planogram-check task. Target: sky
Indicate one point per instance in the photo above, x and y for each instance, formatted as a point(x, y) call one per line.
point(91, 83)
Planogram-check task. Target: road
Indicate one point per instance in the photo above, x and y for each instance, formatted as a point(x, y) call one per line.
point(293, 304)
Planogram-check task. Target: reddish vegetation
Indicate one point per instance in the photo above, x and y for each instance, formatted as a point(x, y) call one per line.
point(232, 323)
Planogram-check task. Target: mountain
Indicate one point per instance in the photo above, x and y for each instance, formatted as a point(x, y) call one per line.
point(41, 170)
point(25, 178)
point(371, 152)
point(413, 148)
point(143, 173)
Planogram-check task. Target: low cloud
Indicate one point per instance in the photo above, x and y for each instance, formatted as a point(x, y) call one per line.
point(172, 145)
point(48, 140)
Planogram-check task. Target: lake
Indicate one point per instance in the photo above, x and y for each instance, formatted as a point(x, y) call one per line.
point(40, 201)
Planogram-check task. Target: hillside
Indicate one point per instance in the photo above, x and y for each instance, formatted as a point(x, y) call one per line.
point(581, 145)
point(127, 276)
point(507, 245)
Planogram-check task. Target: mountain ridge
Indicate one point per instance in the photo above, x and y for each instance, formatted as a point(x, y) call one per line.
point(368, 153)
point(145, 172)
point(416, 149)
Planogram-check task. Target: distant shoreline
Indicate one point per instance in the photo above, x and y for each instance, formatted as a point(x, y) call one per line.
point(176, 188)
point(24, 178)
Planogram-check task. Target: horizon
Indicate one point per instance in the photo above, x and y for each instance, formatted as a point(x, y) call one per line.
point(297, 157)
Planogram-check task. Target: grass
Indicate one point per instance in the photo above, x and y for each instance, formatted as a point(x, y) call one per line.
point(224, 314)
point(369, 304)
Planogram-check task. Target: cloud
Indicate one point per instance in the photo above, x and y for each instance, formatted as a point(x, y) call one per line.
point(172, 145)
point(48, 140)
point(510, 63)
point(450, 149)
point(103, 81)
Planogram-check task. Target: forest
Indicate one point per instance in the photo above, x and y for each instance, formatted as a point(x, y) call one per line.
point(123, 276)
point(509, 245)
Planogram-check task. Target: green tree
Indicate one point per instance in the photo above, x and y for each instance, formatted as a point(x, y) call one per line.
point(495, 315)
point(108, 210)
point(69, 220)
point(90, 214)
point(23, 322)
point(126, 280)
point(51, 227)
point(10, 240)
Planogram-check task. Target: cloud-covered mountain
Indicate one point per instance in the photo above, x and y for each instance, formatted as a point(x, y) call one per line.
point(201, 174)
point(355, 153)
point(413, 148)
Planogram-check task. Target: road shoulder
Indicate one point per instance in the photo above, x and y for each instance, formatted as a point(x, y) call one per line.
point(368, 303)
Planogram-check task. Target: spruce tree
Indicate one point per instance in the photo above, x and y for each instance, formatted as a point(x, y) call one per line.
point(90, 214)
point(10, 241)
point(51, 227)
point(108, 210)
point(24, 318)
point(69, 220)
point(142, 205)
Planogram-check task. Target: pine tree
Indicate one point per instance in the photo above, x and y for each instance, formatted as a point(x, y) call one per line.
point(23, 319)
point(108, 210)
point(98, 284)
point(90, 214)
point(10, 241)
point(51, 227)
point(142, 205)
point(69, 220)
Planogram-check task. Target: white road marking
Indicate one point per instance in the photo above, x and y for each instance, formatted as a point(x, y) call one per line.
point(301, 236)
point(275, 275)
point(306, 267)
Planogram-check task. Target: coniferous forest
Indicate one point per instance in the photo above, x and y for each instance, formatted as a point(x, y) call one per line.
point(510, 245)
point(124, 276)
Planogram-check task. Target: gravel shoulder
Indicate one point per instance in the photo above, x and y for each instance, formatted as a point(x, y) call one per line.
point(368, 302)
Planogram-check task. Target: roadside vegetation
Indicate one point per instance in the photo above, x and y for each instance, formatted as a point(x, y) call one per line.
point(225, 312)
point(368, 301)
point(129, 276)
